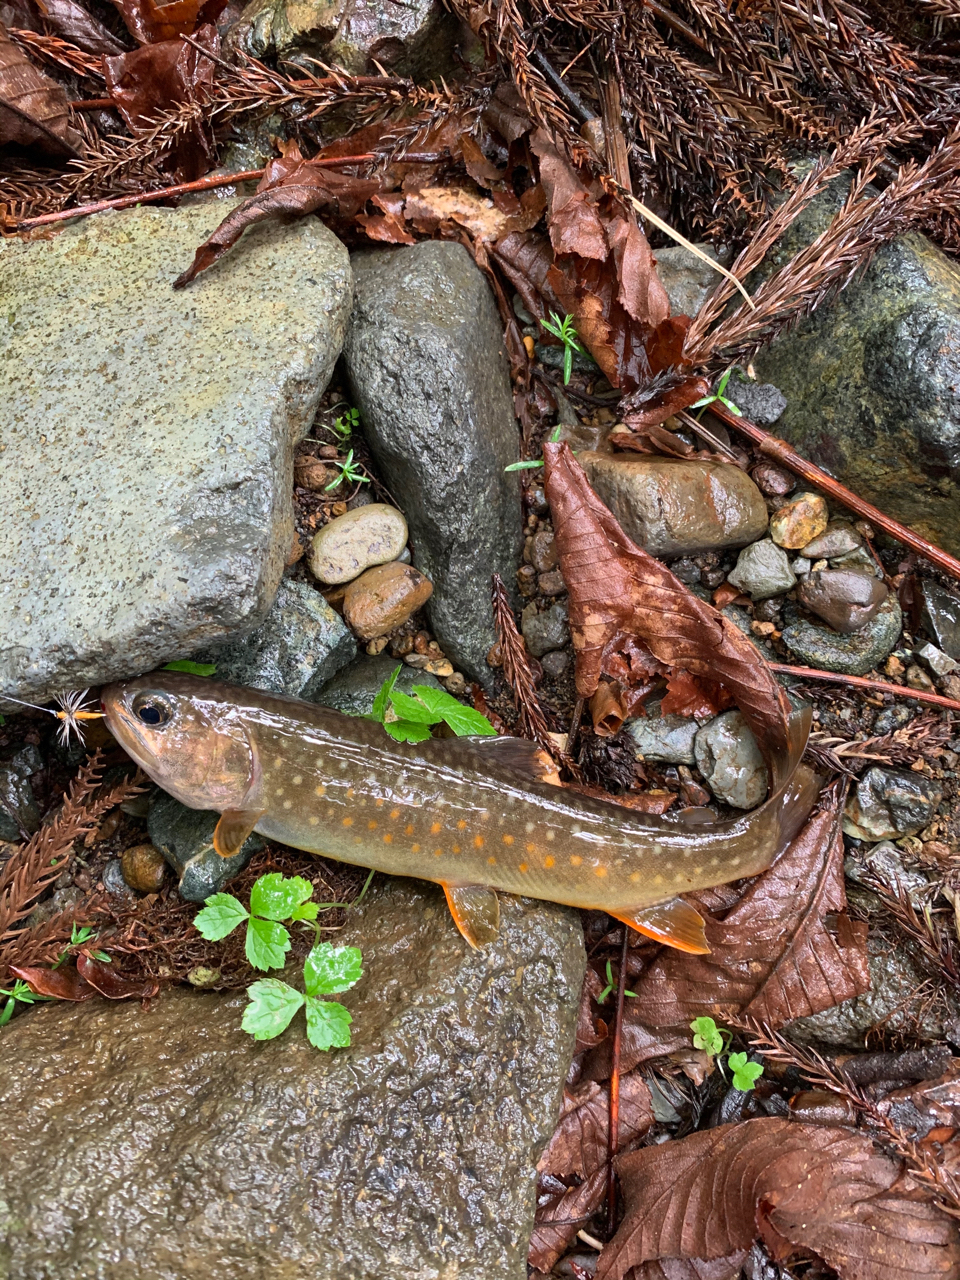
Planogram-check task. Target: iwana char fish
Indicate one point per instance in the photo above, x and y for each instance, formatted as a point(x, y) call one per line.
point(474, 815)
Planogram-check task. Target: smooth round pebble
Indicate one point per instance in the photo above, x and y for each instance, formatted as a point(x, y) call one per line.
point(384, 597)
point(367, 536)
point(799, 521)
point(729, 759)
point(143, 868)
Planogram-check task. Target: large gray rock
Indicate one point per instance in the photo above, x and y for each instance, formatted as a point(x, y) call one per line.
point(889, 803)
point(164, 1142)
point(354, 689)
point(730, 761)
point(852, 655)
point(148, 435)
point(298, 647)
point(185, 838)
point(425, 359)
point(873, 379)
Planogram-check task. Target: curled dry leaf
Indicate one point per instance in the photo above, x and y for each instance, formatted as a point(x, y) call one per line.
point(34, 111)
point(149, 23)
point(105, 979)
point(69, 21)
point(61, 984)
point(773, 957)
point(803, 1187)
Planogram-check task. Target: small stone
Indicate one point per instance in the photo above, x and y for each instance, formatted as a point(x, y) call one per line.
point(854, 654)
point(311, 473)
point(353, 689)
point(951, 687)
point(801, 566)
point(936, 660)
point(527, 580)
point(884, 862)
point(773, 480)
point(762, 628)
point(384, 597)
point(761, 402)
point(537, 499)
point(846, 600)
point(552, 583)
point(890, 803)
point(543, 552)
point(838, 539)
point(418, 660)
point(665, 739)
point(763, 570)
point(439, 667)
point(544, 631)
point(377, 646)
point(364, 537)
point(203, 976)
point(860, 561)
point(917, 678)
point(728, 757)
point(893, 667)
point(941, 616)
point(892, 718)
point(555, 663)
point(799, 521)
point(144, 868)
point(455, 683)
point(687, 571)
point(114, 881)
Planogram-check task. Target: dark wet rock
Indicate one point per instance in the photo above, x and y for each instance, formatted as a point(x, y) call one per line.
point(686, 278)
point(174, 1139)
point(144, 868)
point(727, 755)
point(114, 881)
point(425, 360)
point(860, 561)
point(61, 900)
point(18, 804)
point(891, 718)
point(555, 663)
point(687, 571)
point(185, 838)
point(889, 803)
point(941, 616)
point(297, 648)
point(839, 538)
point(852, 655)
point(873, 379)
point(883, 862)
point(917, 678)
point(149, 435)
point(668, 739)
point(936, 661)
point(845, 599)
point(799, 521)
point(545, 631)
point(763, 570)
point(672, 506)
point(761, 402)
point(353, 689)
point(773, 480)
point(543, 551)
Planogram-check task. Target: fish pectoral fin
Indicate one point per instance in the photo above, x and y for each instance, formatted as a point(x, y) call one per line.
point(233, 829)
point(475, 910)
point(674, 922)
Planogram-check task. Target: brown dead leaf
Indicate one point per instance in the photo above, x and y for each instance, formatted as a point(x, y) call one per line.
point(561, 1217)
point(105, 979)
point(689, 695)
point(918, 1109)
point(34, 111)
point(69, 21)
point(821, 1190)
point(773, 957)
point(662, 396)
point(61, 984)
point(151, 23)
point(691, 1268)
point(619, 592)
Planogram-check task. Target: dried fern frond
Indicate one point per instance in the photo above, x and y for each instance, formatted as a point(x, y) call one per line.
point(59, 52)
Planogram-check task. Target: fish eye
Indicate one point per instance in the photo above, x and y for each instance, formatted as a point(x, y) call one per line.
point(151, 710)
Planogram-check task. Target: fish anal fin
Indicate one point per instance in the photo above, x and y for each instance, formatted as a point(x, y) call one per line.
point(674, 922)
point(475, 910)
point(233, 830)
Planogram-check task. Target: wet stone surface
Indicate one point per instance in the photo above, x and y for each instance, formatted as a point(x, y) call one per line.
point(889, 803)
point(383, 598)
point(544, 632)
point(176, 1147)
point(185, 838)
point(728, 757)
point(941, 616)
point(817, 646)
point(353, 689)
point(763, 570)
point(845, 599)
point(667, 738)
point(368, 535)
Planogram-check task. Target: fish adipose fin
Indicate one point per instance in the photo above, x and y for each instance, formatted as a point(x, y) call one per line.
point(675, 922)
point(233, 829)
point(475, 910)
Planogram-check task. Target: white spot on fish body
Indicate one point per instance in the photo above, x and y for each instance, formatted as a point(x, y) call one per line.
point(297, 780)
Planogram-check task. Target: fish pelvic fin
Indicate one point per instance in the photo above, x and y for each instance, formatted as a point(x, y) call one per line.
point(674, 922)
point(475, 910)
point(233, 829)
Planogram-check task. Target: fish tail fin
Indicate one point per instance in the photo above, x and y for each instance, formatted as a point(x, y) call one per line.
point(674, 922)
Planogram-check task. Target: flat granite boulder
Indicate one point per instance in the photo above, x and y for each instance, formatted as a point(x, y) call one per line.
point(165, 1143)
point(146, 435)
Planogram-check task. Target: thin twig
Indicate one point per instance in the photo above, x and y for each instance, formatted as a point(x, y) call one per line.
point(865, 682)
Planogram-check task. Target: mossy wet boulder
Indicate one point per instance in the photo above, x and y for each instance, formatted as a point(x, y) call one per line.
point(164, 1142)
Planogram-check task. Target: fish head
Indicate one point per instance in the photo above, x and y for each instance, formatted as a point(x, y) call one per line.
point(188, 735)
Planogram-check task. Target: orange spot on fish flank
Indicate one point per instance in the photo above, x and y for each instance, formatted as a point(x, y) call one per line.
point(576, 860)
point(523, 866)
point(437, 853)
point(408, 829)
point(548, 862)
point(371, 825)
point(600, 871)
point(351, 792)
point(478, 842)
point(379, 802)
point(414, 848)
point(388, 838)
point(348, 822)
point(435, 828)
point(394, 814)
point(461, 825)
point(491, 862)
point(508, 839)
point(531, 848)
point(321, 790)
point(456, 848)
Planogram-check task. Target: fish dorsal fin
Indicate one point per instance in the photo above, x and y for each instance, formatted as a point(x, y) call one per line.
point(674, 922)
point(475, 910)
point(519, 754)
point(233, 829)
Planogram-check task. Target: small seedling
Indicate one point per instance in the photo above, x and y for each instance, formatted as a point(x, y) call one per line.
point(192, 668)
point(564, 330)
point(344, 426)
point(409, 719)
point(610, 986)
point(78, 936)
point(702, 403)
point(349, 473)
point(18, 993)
point(535, 462)
point(326, 971)
point(274, 897)
point(714, 1041)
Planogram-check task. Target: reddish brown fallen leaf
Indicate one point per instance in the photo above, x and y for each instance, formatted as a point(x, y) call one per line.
point(587, 1033)
point(637, 1044)
point(105, 979)
point(689, 695)
point(70, 21)
point(150, 23)
point(918, 1109)
point(726, 594)
point(62, 984)
point(34, 111)
point(660, 397)
point(579, 1147)
point(797, 1187)
point(691, 1268)
point(618, 592)
point(773, 957)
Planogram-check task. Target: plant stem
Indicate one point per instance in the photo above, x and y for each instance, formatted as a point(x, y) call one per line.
point(865, 682)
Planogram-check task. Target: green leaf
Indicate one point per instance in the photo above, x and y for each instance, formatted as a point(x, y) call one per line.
point(306, 911)
point(220, 915)
point(745, 1074)
point(276, 896)
point(329, 969)
point(554, 325)
point(383, 695)
point(270, 1011)
point(328, 1024)
point(523, 466)
point(702, 402)
point(462, 720)
point(404, 731)
point(6, 1013)
point(267, 943)
point(731, 406)
point(413, 709)
point(192, 668)
point(707, 1036)
point(722, 384)
point(567, 363)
